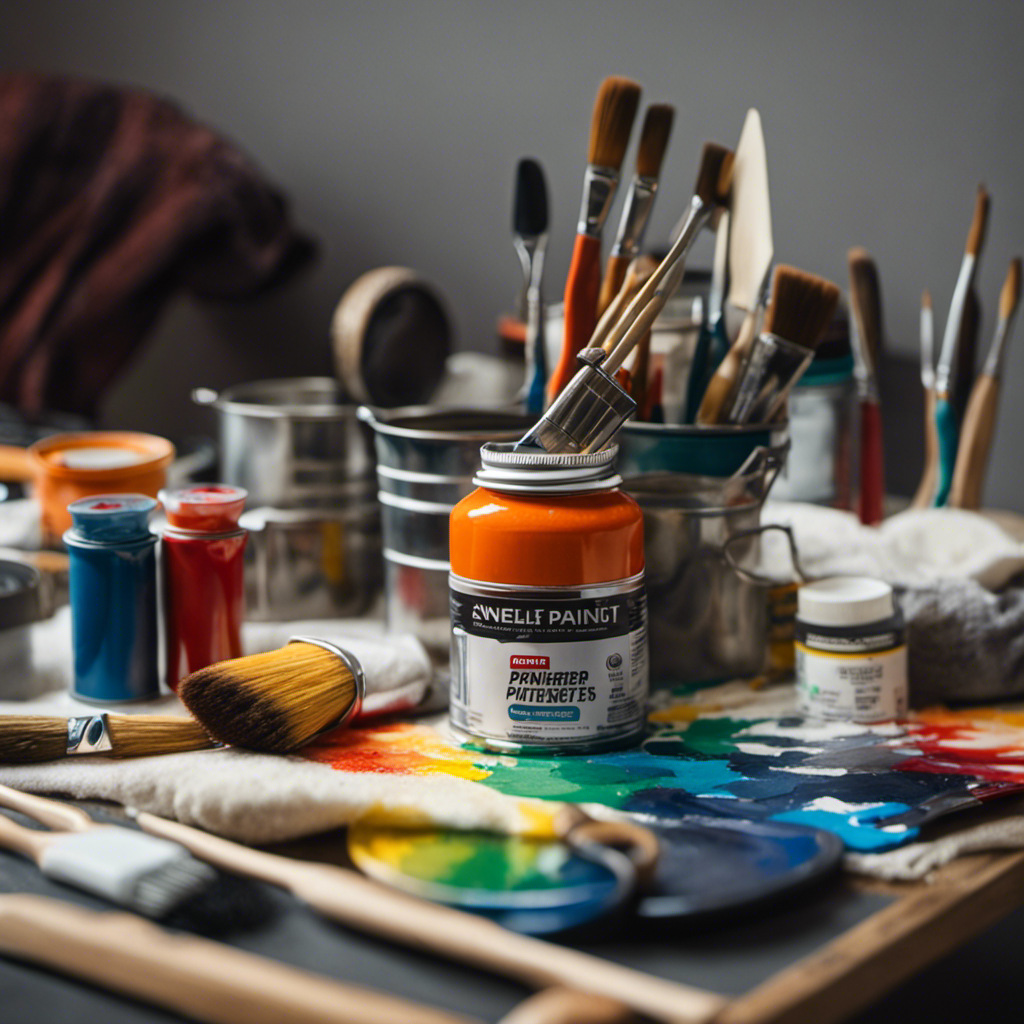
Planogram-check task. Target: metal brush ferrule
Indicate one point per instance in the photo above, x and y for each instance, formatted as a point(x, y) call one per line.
point(599, 184)
point(772, 367)
point(351, 662)
point(697, 217)
point(586, 415)
point(994, 360)
point(636, 212)
point(89, 734)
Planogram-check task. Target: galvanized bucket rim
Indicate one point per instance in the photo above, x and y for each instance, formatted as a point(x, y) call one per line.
point(228, 400)
point(379, 419)
point(704, 429)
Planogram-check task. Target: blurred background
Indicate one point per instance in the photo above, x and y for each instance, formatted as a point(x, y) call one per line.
point(395, 129)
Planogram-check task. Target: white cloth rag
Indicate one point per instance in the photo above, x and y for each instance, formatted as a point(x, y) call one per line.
point(920, 860)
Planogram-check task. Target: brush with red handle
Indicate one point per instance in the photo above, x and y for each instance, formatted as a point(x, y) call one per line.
point(866, 307)
point(614, 111)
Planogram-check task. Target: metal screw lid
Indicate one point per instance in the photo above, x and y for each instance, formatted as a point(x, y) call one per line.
point(506, 469)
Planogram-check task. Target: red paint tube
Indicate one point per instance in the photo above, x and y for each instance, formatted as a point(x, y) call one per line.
point(203, 571)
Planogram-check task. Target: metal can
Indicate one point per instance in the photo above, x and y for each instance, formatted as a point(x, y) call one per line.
point(113, 598)
point(204, 577)
point(548, 609)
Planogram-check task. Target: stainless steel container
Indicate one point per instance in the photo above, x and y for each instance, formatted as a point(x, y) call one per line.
point(311, 563)
point(307, 462)
point(706, 621)
point(292, 443)
point(426, 459)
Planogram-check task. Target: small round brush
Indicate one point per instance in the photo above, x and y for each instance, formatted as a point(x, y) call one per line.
point(278, 701)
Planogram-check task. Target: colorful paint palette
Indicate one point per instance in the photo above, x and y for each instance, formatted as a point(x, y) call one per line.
point(535, 886)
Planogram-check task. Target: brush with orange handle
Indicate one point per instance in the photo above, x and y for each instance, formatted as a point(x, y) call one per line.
point(636, 210)
point(614, 111)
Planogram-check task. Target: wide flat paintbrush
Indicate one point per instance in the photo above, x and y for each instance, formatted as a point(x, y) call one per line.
point(947, 426)
point(636, 210)
point(530, 232)
point(612, 123)
point(930, 474)
point(979, 424)
point(802, 306)
point(866, 307)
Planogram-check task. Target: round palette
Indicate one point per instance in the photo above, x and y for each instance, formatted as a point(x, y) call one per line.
point(529, 885)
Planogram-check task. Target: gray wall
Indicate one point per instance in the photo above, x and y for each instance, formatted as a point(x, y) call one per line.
point(396, 127)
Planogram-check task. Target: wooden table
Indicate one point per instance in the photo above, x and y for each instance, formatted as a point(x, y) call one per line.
point(820, 956)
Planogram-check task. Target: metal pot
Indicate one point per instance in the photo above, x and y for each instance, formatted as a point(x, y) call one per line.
point(292, 443)
point(426, 460)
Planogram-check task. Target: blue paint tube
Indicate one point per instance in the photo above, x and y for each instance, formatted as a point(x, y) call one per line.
point(113, 598)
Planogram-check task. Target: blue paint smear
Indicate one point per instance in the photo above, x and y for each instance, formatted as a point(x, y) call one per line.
point(856, 834)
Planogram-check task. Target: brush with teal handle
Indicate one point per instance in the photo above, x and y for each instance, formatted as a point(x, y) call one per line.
point(947, 424)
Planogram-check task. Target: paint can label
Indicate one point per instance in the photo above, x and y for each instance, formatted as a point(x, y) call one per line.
point(867, 686)
point(553, 668)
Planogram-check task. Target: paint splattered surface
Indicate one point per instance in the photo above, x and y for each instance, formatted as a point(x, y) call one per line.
point(732, 751)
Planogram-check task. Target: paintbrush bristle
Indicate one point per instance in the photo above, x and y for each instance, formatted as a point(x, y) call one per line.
point(866, 302)
point(801, 307)
point(1010, 295)
point(275, 702)
point(530, 209)
point(142, 735)
point(976, 236)
point(654, 139)
point(714, 179)
point(926, 299)
point(614, 112)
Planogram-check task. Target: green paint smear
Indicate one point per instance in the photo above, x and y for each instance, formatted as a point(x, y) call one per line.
point(703, 737)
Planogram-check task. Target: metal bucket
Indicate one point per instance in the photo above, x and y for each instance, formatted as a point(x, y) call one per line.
point(426, 459)
point(706, 620)
point(292, 443)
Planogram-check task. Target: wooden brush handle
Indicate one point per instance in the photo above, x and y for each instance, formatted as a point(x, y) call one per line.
point(29, 842)
point(51, 813)
point(714, 406)
point(930, 473)
point(196, 977)
point(870, 504)
point(976, 436)
point(15, 464)
point(582, 289)
point(614, 275)
point(387, 913)
point(564, 1006)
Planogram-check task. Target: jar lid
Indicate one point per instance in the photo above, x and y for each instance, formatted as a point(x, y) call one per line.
point(112, 517)
point(205, 508)
point(845, 601)
point(506, 469)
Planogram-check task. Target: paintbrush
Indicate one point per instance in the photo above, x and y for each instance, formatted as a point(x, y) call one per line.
point(278, 701)
point(27, 739)
point(930, 474)
point(149, 875)
point(362, 904)
point(638, 272)
point(801, 307)
point(866, 307)
point(530, 233)
point(592, 408)
point(191, 976)
point(639, 203)
point(714, 180)
point(946, 425)
point(980, 419)
point(612, 122)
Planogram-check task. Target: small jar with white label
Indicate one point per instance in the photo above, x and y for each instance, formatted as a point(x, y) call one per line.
point(549, 615)
point(851, 651)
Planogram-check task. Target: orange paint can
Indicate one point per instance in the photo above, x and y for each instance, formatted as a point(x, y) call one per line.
point(548, 607)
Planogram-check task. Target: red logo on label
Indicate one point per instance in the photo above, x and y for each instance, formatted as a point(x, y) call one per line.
point(529, 661)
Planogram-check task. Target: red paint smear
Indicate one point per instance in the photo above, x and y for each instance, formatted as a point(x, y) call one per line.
point(940, 742)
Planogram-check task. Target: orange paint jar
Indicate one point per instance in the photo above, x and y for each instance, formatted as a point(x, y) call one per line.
point(549, 614)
